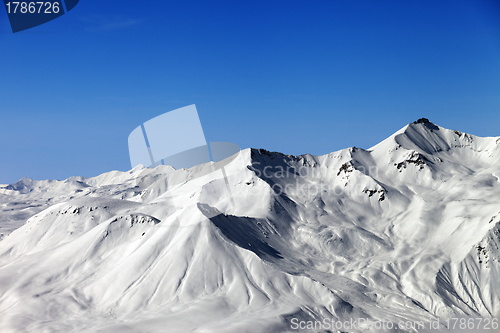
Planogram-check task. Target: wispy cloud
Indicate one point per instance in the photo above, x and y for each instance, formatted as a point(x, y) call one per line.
point(102, 23)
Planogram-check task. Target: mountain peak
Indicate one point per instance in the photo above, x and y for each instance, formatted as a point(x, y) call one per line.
point(425, 137)
point(422, 121)
point(427, 123)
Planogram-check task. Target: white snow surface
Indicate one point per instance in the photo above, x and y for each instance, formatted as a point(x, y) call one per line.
point(406, 231)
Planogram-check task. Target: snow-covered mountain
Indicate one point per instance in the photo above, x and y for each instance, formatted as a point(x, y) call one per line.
point(407, 231)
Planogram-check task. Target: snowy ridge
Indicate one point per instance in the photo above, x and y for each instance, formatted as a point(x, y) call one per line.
point(407, 230)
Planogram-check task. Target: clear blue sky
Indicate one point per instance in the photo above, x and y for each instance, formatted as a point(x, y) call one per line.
point(290, 76)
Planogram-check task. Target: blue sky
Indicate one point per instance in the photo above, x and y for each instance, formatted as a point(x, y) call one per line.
point(290, 76)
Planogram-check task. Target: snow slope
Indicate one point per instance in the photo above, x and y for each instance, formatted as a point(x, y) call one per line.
point(407, 231)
